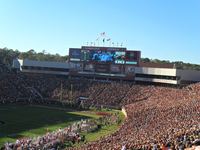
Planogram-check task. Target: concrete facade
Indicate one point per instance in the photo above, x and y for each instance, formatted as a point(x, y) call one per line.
point(142, 74)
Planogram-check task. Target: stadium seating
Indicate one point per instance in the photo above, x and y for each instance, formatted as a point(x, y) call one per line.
point(157, 117)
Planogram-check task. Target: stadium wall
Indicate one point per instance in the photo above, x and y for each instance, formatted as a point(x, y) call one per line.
point(188, 76)
point(155, 71)
point(49, 64)
point(141, 74)
point(156, 75)
point(47, 67)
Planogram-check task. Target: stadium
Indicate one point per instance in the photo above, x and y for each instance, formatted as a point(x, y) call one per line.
point(101, 98)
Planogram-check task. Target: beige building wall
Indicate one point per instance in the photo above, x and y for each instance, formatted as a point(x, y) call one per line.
point(156, 71)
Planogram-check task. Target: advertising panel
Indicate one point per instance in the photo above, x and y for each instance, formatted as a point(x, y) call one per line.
point(75, 54)
point(85, 55)
point(115, 69)
point(119, 57)
point(89, 67)
point(132, 57)
point(130, 69)
point(102, 68)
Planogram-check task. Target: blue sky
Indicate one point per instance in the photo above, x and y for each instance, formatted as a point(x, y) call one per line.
point(163, 29)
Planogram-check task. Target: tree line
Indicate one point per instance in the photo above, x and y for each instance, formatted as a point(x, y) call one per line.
point(7, 56)
point(178, 64)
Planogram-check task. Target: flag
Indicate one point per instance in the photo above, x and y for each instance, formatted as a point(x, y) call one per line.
point(103, 33)
point(97, 39)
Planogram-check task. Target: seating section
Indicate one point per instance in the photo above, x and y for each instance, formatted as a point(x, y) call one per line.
point(158, 117)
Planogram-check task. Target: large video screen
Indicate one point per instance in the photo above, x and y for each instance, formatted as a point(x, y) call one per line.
point(105, 55)
point(102, 56)
point(117, 57)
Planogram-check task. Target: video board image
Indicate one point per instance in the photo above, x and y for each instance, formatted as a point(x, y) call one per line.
point(117, 57)
point(102, 56)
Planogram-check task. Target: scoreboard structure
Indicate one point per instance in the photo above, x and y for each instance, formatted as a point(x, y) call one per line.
point(107, 60)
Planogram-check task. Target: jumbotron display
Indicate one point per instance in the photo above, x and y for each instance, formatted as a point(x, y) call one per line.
point(104, 55)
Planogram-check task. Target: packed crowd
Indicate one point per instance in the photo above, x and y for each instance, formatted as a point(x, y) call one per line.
point(51, 87)
point(158, 117)
point(3, 68)
point(61, 89)
point(13, 88)
point(168, 118)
